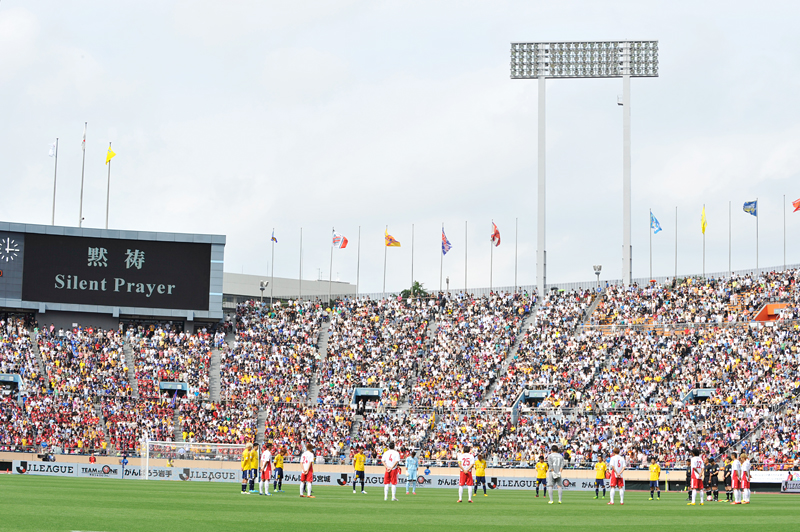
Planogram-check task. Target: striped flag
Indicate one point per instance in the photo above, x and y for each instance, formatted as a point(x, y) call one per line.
point(446, 245)
point(339, 241)
point(391, 242)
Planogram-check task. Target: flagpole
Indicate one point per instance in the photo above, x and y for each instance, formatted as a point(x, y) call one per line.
point(330, 272)
point(491, 261)
point(704, 245)
point(83, 167)
point(300, 278)
point(676, 245)
point(358, 260)
point(272, 266)
point(441, 260)
point(784, 232)
point(516, 241)
point(108, 186)
point(730, 268)
point(757, 236)
point(465, 257)
point(55, 175)
point(385, 247)
point(651, 245)
point(412, 260)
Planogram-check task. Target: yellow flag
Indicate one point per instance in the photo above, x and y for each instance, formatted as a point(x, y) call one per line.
point(703, 222)
point(109, 155)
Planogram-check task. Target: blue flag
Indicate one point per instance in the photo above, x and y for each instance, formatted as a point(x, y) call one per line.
point(273, 237)
point(751, 207)
point(654, 225)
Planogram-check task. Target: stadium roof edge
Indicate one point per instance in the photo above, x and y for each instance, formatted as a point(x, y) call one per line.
point(92, 232)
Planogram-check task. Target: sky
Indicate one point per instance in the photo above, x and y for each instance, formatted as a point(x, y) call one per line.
point(241, 116)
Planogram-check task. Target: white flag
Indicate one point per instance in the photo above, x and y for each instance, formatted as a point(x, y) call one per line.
point(52, 150)
point(83, 144)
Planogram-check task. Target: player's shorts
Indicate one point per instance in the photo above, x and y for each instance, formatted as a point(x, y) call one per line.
point(464, 479)
point(480, 480)
point(390, 477)
point(745, 482)
point(617, 482)
point(713, 481)
point(360, 475)
point(308, 476)
point(249, 474)
point(278, 473)
point(599, 483)
point(412, 475)
point(697, 483)
point(654, 484)
point(540, 481)
point(266, 473)
point(552, 480)
point(737, 484)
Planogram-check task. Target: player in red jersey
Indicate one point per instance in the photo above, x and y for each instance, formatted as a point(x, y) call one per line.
point(466, 462)
point(745, 460)
point(617, 465)
point(307, 474)
point(391, 461)
point(697, 469)
point(736, 467)
point(266, 470)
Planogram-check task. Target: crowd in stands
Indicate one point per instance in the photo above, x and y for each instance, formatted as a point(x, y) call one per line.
point(406, 429)
point(87, 362)
point(273, 356)
point(373, 344)
point(127, 420)
point(218, 422)
point(16, 355)
point(68, 423)
point(291, 427)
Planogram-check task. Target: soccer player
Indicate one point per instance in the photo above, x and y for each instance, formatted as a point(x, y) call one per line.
point(745, 482)
point(600, 469)
point(266, 470)
point(277, 485)
point(655, 473)
point(480, 474)
point(411, 472)
point(555, 463)
point(689, 480)
point(541, 475)
point(307, 475)
point(466, 462)
point(713, 478)
point(618, 465)
point(391, 461)
point(707, 478)
point(358, 465)
point(736, 467)
point(726, 479)
point(247, 470)
point(697, 468)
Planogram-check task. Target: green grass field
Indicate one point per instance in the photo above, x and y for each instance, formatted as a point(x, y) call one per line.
point(64, 504)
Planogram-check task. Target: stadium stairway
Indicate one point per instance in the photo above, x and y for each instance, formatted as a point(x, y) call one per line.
point(98, 408)
point(214, 379)
point(130, 361)
point(177, 429)
point(589, 311)
point(511, 354)
point(322, 340)
point(262, 419)
point(38, 355)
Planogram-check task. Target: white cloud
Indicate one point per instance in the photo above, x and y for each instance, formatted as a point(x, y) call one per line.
point(19, 30)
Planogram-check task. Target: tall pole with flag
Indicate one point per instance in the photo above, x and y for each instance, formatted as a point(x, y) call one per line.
point(358, 260)
point(445, 248)
point(466, 241)
point(516, 245)
point(784, 231)
point(389, 242)
point(338, 242)
point(703, 226)
point(330, 271)
point(272, 265)
point(494, 242)
point(730, 240)
point(412, 260)
point(110, 155)
point(300, 278)
point(83, 167)
point(655, 228)
point(751, 208)
point(676, 244)
point(54, 153)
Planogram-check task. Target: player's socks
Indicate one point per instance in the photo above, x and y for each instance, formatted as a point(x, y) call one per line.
point(460, 492)
point(252, 485)
point(659, 494)
point(309, 489)
point(302, 487)
point(611, 491)
point(260, 487)
point(622, 495)
point(469, 492)
point(559, 493)
point(596, 492)
point(244, 486)
point(651, 494)
point(694, 495)
point(551, 496)
point(394, 492)
point(386, 492)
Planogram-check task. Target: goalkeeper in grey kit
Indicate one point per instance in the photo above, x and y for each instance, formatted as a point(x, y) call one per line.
point(555, 464)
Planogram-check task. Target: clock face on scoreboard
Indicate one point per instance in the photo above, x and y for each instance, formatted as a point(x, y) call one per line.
point(9, 249)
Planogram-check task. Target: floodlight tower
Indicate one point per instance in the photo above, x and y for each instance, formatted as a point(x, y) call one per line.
point(603, 59)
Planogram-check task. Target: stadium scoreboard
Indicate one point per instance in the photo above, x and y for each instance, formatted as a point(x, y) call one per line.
point(135, 273)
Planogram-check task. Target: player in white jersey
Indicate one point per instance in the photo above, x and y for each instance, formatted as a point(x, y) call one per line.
point(617, 464)
point(745, 482)
point(391, 461)
point(555, 464)
point(266, 470)
point(307, 471)
point(466, 462)
point(736, 468)
point(697, 469)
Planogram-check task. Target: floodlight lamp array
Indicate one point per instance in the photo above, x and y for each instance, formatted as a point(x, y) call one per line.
point(608, 59)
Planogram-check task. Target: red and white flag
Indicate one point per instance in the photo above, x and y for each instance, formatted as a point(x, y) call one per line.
point(495, 235)
point(339, 241)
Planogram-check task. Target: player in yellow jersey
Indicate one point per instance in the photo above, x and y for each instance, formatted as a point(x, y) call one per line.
point(541, 475)
point(277, 485)
point(600, 469)
point(247, 469)
point(655, 473)
point(358, 465)
point(480, 474)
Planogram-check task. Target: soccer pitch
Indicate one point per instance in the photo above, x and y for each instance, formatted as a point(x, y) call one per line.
point(66, 504)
